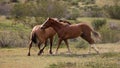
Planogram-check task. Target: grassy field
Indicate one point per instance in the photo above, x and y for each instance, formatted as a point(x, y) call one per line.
point(17, 58)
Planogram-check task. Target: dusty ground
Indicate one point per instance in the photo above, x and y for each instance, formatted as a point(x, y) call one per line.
point(17, 57)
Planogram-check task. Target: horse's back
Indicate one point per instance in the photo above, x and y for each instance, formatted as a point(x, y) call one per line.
point(70, 31)
point(76, 30)
point(43, 34)
point(35, 28)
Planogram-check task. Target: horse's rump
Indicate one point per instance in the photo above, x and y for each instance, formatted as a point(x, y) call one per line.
point(34, 38)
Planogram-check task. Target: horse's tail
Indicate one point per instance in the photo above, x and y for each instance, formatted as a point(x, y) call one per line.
point(96, 34)
point(34, 37)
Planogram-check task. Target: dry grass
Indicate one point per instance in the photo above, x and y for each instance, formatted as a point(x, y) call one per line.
point(17, 57)
point(104, 2)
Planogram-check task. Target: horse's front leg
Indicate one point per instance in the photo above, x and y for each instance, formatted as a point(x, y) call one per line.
point(41, 51)
point(59, 42)
point(51, 41)
point(66, 42)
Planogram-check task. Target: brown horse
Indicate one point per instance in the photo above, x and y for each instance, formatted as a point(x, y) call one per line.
point(43, 36)
point(71, 31)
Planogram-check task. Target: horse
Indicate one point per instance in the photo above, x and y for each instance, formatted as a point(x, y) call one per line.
point(71, 31)
point(43, 36)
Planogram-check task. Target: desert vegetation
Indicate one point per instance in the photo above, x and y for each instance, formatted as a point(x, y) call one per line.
point(18, 17)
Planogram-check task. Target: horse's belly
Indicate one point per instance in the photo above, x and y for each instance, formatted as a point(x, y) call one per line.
point(73, 35)
point(71, 32)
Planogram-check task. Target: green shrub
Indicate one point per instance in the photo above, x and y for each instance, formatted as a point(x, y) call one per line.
point(92, 11)
point(88, 1)
point(25, 13)
point(110, 54)
point(89, 64)
point(13, 39)
point(109, 35)
point(40, 9)
point(82, 44)
point(103, 64)
point(98, 23)
point(4, 1)
point(113, 11)
point(74, 13)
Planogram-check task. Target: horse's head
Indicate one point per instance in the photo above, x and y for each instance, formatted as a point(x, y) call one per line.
point(48, 23)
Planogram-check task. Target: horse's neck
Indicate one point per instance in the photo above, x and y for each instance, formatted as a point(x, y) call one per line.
point(57, 26)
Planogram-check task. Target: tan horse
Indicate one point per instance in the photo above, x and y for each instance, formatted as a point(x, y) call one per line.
point(71, 31)
point(42, 36)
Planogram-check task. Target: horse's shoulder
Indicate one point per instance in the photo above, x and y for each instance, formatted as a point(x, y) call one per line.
point(50, 29)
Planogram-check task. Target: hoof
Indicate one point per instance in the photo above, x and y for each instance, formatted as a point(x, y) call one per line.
point(28, 54)
point(40, 52)
point(68, 52)
point(55, 53)
point(98, 52)
point(51, 52)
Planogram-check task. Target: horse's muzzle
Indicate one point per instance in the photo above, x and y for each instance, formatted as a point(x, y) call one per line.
point(43, 28)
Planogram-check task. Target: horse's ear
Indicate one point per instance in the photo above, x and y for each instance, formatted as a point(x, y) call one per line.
point(49, 18)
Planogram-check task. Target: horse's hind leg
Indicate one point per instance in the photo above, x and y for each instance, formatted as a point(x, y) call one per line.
point(41, 51)
point(39, 45)
point(94, 47)
point(88, 38)
point(66, 42)
point(30, 45)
